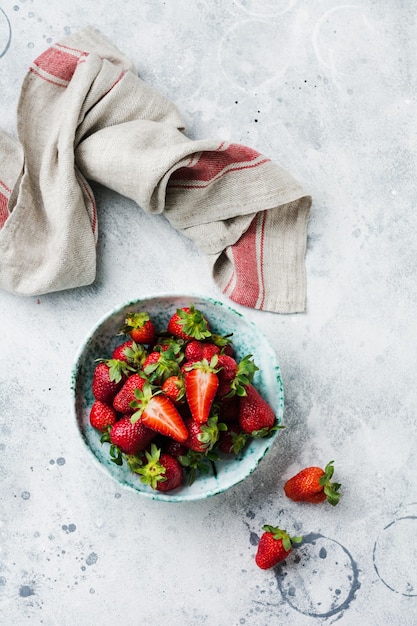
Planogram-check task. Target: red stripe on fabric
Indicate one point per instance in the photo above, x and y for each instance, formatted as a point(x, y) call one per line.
point(4, 209)
point(76, 50)
point(246, 290)
point(48, 80)
point(57, 63)
point(2, 184)
point(212, 163)
point(224, 173)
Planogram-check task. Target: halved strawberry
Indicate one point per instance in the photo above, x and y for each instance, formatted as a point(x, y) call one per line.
point(140, 327)
point(201, 384)
point(158, 412)
point(189, 323)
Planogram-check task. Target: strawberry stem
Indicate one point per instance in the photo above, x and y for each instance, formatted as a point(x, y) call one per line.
point(331, 490)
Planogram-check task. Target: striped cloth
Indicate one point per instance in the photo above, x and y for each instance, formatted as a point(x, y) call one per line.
point(84, 115)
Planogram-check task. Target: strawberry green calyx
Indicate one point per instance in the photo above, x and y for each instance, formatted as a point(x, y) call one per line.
point(278, 534)
point(331, 490)
point(153, 471)
point(221, 340)
point(194, 463)
point(244, 376)
point(117, 369)
point(143, 397)
point(210, 432)
point(204, 365)
point(167, 365)
point(135, 354)
point(193, 323)
point(134, 320)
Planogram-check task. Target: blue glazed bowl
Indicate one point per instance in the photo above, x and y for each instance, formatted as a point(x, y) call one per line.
point(223, 320)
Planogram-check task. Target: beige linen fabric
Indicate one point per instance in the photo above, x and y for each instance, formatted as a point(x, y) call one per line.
point(85, 115)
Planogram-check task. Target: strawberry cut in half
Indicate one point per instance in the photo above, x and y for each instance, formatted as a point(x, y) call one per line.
point(159, 413)
point(201, 384)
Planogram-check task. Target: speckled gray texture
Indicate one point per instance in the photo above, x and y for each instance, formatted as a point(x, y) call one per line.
point(327, 89)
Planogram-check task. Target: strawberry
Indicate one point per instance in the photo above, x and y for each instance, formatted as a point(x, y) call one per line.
point(140, 327)
point(188, 323)
point(202, 437)
point(313, 485)
point(133, 353)
point(161, 470)
point(158, 366)
point(108, 378)
point(197, 350)
point(274, 546)
point(232, 440)
point(201, 384)
point(129, 437)
point(126, 395)
point(233, 376)
point(102, 416)
point(158, 412)
point(256, 416)
point(174, 389)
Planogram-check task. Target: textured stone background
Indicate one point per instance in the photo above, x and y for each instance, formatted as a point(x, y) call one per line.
point(327, 89)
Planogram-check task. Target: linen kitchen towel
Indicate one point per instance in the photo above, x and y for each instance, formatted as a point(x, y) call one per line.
point(84, 115)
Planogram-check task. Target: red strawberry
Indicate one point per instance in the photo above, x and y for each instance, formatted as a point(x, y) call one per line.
point(108, 378)
point(234, 376)
point(158, 366)
point(130, 437)
point(232, 440)
point(131, 352)
point(274, 546)
point(202, 437)
point(256, 416)
point(126, 395)
point(201, 384)
point(313, 485)
point(174, 388)
point(188, 323)
point(158, 412)
point(161, 471)
point(140, 327)
point(102, 416)
point(197, 350)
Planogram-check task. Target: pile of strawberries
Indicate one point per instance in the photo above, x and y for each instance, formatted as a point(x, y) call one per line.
point(169, 401)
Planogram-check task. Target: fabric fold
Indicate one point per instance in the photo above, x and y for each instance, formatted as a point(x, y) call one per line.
point(84, 115)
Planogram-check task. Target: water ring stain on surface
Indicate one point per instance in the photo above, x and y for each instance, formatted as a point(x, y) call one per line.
point(297, 585)
point(396, 573)
point(5, 33)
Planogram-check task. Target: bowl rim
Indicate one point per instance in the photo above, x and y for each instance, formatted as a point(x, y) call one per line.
point(154, 494)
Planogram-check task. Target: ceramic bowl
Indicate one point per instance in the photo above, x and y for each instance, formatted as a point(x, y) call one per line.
point(224, 320)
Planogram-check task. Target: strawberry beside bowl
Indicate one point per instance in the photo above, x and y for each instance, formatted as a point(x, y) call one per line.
point(222, 471)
